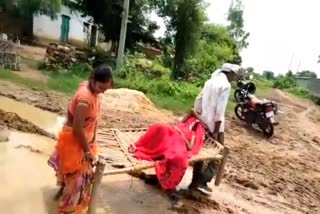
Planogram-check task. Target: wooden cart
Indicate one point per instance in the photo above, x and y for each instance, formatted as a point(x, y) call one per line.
point(114, 157)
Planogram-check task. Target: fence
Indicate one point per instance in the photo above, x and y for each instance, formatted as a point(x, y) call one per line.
point(9, 55)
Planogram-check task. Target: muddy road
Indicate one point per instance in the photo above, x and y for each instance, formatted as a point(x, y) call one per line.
point(277, 175)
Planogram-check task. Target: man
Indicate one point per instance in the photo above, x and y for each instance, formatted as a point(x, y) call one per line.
point(211, 105)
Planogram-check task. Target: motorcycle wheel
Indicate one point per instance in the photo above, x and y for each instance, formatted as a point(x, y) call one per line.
point(237, 95)
point(268, 129)
point(239, 112)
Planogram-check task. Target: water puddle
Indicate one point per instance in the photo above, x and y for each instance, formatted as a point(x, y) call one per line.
point(43, 119)
point(26, 182)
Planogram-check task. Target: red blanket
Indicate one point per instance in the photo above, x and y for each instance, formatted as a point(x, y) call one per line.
point(164, 144)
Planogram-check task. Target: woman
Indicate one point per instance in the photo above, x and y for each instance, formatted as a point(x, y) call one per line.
point(76, 146)
point(171, 147)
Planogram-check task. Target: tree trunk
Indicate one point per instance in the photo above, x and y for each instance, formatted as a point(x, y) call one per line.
point(27, 27)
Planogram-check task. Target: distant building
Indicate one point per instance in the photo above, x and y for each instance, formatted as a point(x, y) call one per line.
point(68, 27)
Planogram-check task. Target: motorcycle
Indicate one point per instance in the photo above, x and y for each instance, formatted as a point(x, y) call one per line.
point(244, 88)
point(259, 112)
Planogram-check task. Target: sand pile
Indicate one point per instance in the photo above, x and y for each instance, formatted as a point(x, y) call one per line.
point(127, 100)
point(130, 108)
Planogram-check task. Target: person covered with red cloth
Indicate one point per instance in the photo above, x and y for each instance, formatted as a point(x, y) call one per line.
point(171, 147)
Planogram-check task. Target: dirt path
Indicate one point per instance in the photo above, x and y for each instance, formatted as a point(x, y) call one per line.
point(281, 173)
point(277, 175)
point(31, 57)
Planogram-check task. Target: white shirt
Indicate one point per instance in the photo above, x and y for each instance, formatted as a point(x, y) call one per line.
point(211, 103)
point(198, 101)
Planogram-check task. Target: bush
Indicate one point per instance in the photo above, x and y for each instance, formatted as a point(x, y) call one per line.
point(138, 64)
point(100, 56)
point(163, 87)
point(285, 82)
point(82, 70)
point(299, 91)
point(316, 99)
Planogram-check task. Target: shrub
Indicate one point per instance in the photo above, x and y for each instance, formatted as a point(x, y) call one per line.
point(299, 91)
point(284, 82)
point(99, 56)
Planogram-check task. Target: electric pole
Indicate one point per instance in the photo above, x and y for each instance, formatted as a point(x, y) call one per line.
point(123, 32)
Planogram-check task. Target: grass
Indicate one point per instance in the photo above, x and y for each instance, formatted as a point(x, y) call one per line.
point(299, 92)
point(56, 82)
point(174, 104)
point(10, 76)
point(34, 64)
point(68, 84)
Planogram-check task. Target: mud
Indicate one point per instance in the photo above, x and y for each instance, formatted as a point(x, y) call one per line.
point(284, 168)
point(49, 101)
point(120, 108)
point(24, 117)
point(276, 175)
point(4, 135)
point(14, 121)
point(25, 178)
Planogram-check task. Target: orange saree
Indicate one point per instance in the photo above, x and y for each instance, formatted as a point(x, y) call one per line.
point(74, 173)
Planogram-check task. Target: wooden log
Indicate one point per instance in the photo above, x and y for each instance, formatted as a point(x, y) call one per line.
point(205, 158)
point(139, 167)
point(95, 186)
point(221, 167)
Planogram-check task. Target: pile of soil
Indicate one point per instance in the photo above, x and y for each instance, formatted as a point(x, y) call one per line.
point(14, 121)
point(126, 108)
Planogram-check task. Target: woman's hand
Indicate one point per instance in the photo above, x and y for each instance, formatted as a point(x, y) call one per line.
point(191, 143)
point(89, 157)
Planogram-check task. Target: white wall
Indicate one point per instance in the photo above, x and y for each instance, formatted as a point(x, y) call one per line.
point(45, 28)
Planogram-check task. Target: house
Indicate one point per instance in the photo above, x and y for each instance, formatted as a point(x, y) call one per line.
point(68, 27)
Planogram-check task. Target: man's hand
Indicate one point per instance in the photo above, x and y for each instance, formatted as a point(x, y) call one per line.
point(215, 135)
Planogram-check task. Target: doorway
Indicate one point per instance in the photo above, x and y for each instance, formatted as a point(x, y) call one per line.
point(65, 27)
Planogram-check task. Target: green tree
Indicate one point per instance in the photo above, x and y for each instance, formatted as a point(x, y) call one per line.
point(108, 15)
point(269, 75)
point(225, 49)
point(215, 48)
point(189, 23)
point(287, 81)
point(236, 24)
point(307, 73)
point(250, 69)
point(184, 20)
point(26, 9)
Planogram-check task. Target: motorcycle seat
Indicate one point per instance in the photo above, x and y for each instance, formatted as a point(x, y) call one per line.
point(254, 102)
point(262, 102)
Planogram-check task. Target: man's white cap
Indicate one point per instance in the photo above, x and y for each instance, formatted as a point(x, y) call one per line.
point(228, 67)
